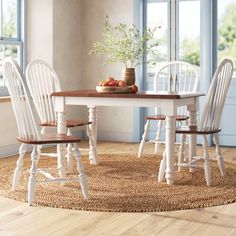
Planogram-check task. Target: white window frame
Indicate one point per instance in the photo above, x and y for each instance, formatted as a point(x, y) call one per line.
point(19, 40)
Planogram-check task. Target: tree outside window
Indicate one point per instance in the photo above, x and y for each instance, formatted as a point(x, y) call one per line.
point(226, 35)
point(227, 31)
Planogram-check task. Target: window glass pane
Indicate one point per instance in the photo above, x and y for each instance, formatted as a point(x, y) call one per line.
point(9, 18)
point(10, 51)
point(227, 29)
point(189, 31)
point(157, 16)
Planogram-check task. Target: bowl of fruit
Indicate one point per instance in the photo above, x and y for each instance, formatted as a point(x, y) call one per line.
point(111, 85)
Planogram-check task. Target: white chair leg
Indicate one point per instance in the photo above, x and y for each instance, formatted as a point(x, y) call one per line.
point(61, 160)
point(207, 166)
point(185, 150)
point(181, 155)
point(144, 136)
point(162, 168)
point(185, 144)
point(82, 176)
point(39, 147)
point(32, 180)
point(219, 156)
point(92, 148)
point(69, 154)
point(19, 167)
point(157, 139)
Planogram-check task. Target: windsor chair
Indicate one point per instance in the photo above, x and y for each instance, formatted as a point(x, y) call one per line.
point(209, 123)
point(174, 76)
point(42, 81)
point(29, 134)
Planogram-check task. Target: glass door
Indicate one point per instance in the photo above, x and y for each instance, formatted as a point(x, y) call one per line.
point(178, 34)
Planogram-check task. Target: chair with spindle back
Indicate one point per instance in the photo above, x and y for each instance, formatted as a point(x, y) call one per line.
point(29, 134)
point(42, 81)
point(209, 123)
point(175, 76)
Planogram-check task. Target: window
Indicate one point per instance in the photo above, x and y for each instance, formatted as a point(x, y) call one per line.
point(11, 34)
point(178, 34)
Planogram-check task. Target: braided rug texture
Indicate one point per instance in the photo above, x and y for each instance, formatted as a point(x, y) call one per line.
point(124, 183)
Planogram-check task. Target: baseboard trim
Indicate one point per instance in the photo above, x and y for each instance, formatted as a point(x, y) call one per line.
point(115, 136)
point(9, 150)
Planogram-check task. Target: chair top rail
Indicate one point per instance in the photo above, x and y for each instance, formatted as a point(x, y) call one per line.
point(216, 96)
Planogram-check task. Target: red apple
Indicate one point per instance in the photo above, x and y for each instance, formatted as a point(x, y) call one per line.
point(122, 83)
point(133, 88)
point(113, 83)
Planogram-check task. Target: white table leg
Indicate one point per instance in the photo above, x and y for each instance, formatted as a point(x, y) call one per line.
point(192, 109)
point(170, 148)
point(192, 138)
point(61, 129)
point(93, 130)
point(61, 123)
point(93, 126)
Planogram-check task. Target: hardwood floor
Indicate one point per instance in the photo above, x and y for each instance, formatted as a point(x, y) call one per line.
point(17, 218)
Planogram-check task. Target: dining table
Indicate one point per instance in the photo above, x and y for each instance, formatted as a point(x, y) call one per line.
point(167, 101)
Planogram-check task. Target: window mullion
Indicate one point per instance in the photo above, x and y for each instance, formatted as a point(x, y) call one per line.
point(172, 30)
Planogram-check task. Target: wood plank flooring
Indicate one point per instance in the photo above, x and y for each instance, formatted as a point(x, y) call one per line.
point(17, 218)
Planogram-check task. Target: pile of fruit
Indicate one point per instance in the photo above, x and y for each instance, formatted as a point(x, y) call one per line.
point(110, 81)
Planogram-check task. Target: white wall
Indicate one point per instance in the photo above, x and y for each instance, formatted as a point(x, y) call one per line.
point(67, 43)
point(39, 30)
point(113, 123)
point(8, 131)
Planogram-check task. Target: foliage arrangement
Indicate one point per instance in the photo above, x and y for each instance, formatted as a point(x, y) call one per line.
point(125, 44)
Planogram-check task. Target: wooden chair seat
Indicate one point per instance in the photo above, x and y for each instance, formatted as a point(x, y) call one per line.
point(195, 130)
point(163, 117)
point(50, 139)
point(69, 123)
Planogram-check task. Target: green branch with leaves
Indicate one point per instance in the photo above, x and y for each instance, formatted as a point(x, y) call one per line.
point(127, 45)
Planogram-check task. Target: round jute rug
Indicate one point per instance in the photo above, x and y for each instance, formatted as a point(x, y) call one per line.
point(123, 183)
